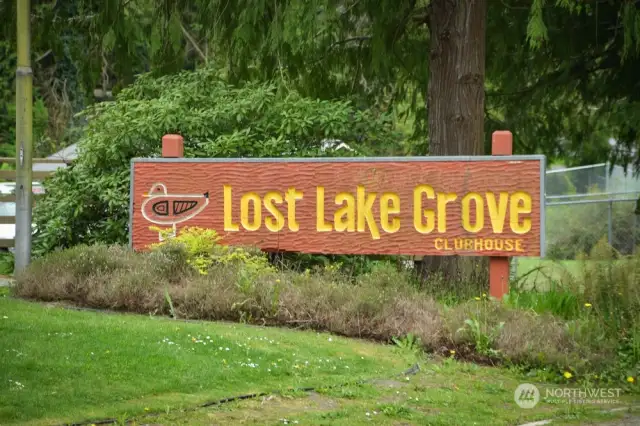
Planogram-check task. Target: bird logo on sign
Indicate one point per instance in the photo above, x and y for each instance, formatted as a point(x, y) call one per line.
point(163, 208)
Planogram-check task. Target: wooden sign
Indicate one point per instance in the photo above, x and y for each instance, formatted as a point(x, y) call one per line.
point(484, 205)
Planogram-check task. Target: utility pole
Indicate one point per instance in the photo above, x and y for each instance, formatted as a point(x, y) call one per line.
point(24, 136)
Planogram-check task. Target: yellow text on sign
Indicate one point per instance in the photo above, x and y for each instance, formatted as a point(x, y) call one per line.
point(376, 213)
point(356, 212)
point(479, 244)
point(251, 210)
point(519, 204)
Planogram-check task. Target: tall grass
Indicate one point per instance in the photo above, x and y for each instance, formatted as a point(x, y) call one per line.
point(604, 284)
point(599, 299)
point(586, 324)
point(382, 304)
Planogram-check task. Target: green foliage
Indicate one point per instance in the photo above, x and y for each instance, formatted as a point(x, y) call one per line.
point(604, 283)
point(599, 300)
point(167, 297)
point(202, 251)
point(562, 77)
point(482, 335)
point(558, 300)
point(350, 265)
point(88, 203)
point(409, 343)
point(8, 106)
point(8, 131)
point(571, 87)
point(6, 263)
point(396, 410)
point(7, 99)
point(200, 245)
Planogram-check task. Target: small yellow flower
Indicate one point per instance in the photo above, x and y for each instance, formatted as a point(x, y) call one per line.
point(146, 408)
point(484, 294)
point(630, 379)
point(477, 298)
point(587, 305)
point(452, 352)
point(567, 375)
point(278, 280)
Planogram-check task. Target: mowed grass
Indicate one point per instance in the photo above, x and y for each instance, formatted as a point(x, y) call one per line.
point(59, 365)
point(441, 394)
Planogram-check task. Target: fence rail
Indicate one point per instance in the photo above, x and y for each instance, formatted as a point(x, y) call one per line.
point(11, 175)
point(10, 199)
point(37, 160)
point(589, 203)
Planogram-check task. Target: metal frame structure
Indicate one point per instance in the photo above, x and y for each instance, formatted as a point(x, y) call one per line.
point(586, 198)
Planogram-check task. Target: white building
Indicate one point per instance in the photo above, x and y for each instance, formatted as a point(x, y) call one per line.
point(67, 154)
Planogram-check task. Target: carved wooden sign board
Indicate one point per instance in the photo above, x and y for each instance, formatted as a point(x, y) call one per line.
point(479, 206)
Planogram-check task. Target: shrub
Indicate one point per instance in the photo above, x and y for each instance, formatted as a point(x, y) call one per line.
point(99, 276)
point(200, 249)
point(383, 304)
point(88, 202)
point(351, 265)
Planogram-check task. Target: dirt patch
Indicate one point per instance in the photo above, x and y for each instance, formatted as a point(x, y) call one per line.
point(322, 402)
point(314, 401)
point(272, 406)
point(383, 383)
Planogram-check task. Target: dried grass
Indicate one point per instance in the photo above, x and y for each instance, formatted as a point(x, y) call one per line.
point(380, 305)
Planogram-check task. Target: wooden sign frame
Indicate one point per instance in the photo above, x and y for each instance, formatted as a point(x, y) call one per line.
point(310, 197)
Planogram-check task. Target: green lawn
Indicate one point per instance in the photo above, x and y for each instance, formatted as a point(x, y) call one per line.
point(540, 273)
point(442, 394)
point(60, 365)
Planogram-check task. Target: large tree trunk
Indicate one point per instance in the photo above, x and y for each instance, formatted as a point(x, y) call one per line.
point(455, 99)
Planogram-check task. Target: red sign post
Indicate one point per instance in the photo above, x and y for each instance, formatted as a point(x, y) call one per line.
point(474, 206)
point(501, 144)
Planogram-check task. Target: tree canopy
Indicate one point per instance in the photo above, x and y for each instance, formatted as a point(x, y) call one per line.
point(560, 73)
point(89, 202)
